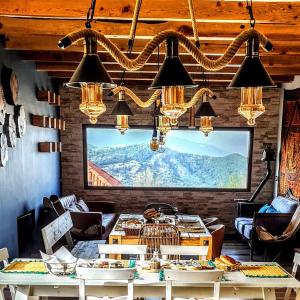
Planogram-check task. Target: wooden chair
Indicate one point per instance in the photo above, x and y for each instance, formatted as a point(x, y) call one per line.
point(138, 250)
point(211, 221)
point(60, 227)
point(4, 256)
point(217, 233)
point(167, 250)
point(106, 274)
point(213, 277)
point(294, 273)
point(155, 235)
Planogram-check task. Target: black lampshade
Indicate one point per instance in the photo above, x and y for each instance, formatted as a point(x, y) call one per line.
point(268, 154)
point(172, 71)
point(252, 72)
point(205, 110)
point(90, 69)
point(122, 108)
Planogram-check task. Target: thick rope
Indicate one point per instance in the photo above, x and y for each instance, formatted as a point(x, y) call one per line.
point(134, 19)
point(198, 96)
point(194, 24)
point(135, 98)
point(141, 59)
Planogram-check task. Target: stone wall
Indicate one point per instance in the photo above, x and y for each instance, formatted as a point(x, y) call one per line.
point(219, 204)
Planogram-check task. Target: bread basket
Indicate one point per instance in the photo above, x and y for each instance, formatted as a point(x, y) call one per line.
point(132, 227)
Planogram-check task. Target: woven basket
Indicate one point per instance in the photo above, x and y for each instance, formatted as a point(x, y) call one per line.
point(61, 269)
point(130, 230)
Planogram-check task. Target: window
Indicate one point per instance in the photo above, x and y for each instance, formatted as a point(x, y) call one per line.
point(190, 160)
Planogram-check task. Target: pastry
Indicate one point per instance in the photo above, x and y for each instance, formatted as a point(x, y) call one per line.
point(228, 260)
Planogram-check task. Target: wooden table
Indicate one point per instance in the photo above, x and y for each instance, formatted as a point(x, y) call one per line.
point(236, 285)
point(186, 238)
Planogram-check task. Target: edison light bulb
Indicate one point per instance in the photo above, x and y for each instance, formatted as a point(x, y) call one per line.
point(206, 125)
point(122, 123)
point(92, 101)
point(164, 124)
point(251, 104)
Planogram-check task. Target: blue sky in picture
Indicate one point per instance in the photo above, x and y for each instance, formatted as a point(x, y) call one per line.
point(218, 143)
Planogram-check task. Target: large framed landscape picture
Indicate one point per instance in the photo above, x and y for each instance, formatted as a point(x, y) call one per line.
point(190, 160)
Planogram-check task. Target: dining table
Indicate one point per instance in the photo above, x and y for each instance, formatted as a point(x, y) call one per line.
point(193, 231)
point(151, 285)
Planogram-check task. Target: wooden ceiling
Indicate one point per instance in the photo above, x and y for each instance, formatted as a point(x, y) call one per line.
point(33, 27)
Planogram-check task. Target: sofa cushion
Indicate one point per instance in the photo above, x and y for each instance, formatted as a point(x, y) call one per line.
point(241, 223)
point(248, 231)
point(73, 208)
point(272, 210)
point(67, 201)
point(108, 221)
point(82, 206)
point(264, 209)
point(284, 205)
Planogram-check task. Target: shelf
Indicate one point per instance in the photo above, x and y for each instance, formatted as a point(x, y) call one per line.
point(48, 122)
point(49, 147)
point(48, 96)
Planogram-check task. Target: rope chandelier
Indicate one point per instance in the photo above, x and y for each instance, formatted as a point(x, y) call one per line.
point(172, 78)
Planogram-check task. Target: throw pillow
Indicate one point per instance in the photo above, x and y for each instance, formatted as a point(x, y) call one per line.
point(271, 210)
point(82, 206)
point(73, 208)
point(264, 209)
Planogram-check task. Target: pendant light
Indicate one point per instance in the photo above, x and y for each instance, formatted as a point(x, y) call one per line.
point(251, 78)
point(122, 111)
point(162, 122)
point(91, 77)
point(172, 79)
point(206, 114)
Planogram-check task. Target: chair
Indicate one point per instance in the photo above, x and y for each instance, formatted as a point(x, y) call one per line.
point(294, 272)
point(211, 221)
point(165, 208)
point(217, 232)
point(105, 274)
point(167, 250)
point(60, 227)
point(285, 238)
point(155, 235)
point(4, 256)
point(139, 250)
point(213, 277)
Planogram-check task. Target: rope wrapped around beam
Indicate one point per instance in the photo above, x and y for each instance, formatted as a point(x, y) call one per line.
point(141, 59)
point(135, 98)
point(198, 96)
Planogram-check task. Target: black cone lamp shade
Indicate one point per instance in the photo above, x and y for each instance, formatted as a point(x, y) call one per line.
point(91, 69)
point(252, 72)
point(122, 111)
point(172, 72)
point(251, 78)
point(206, 114)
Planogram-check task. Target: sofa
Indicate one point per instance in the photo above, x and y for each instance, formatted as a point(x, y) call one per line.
point(92, 219)
point(249, 217)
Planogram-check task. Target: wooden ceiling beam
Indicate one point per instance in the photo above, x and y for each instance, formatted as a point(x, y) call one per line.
point(152, 68)
point(206, 31)
point(267, 11)
point(75, 57)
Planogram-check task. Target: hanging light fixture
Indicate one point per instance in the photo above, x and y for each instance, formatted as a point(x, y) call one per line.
point(251, 78)
point(91, 76)
point(172, 78)
point(122, 111)
point(206, 114)
point(162, 122)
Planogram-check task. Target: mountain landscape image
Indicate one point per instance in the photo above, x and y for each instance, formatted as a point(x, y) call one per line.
point(185, 163)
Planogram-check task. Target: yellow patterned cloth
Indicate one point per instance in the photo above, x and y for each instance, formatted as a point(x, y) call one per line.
point(26, 267)
point(263, 271)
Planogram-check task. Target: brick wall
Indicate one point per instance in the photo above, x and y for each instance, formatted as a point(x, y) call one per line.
point(206, 204)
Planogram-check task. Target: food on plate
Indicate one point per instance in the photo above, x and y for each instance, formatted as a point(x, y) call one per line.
point(151, 213)
point(190, 265)
point(107, 264)
point(227, 263)
point(228, 260)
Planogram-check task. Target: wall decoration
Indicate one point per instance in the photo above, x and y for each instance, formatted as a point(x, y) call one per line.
point(49, 147)
point(2, 106)
point(48, 122)
point(10, 85)
point(9, 128)
point(20, 120)
point(190, 160)
point(290, 149)
point(3, 150)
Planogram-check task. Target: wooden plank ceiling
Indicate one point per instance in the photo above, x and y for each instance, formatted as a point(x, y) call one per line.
point(33, 27)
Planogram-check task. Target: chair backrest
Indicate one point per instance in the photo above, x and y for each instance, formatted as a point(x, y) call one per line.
point(4, 256)
point(167, 250)
point(139, 250)
point(294, 225)
point(217, 232)
point(54, 231)
point(294, 273)
point(165, 208)
point(105, 274)
point(213, 277)
point(155, 235)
